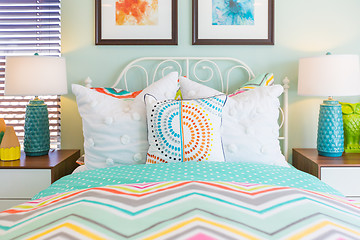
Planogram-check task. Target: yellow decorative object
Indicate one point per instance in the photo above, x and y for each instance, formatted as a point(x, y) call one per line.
point(10, 146)
point(10, 154)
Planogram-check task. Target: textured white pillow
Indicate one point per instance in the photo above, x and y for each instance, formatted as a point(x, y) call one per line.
point(250, 128)
point(184, 131)
point(192, 90)
point(115, 131)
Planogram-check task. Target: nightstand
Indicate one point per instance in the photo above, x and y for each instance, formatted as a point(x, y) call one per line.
point(342, 173)
point(20, 180)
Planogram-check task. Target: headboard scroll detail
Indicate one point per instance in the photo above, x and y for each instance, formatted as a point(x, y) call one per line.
point(188, 66)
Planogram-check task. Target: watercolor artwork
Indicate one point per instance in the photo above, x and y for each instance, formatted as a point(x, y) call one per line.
point(233, 12)
point(137, 12)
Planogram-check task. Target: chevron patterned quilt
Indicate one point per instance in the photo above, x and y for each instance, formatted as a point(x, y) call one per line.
point(186, 209)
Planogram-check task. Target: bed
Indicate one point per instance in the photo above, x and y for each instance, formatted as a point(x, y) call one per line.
point(194, 163)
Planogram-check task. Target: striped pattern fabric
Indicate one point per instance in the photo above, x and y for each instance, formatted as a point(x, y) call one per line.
point(266, 79)
point(117, 93)
point(184, 210)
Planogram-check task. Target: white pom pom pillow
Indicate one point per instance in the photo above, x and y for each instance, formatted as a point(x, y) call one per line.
point(250, 128)
point(114, 122)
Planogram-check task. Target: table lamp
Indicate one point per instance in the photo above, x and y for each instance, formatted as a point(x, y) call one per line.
point(35, 76)
point(329, 75)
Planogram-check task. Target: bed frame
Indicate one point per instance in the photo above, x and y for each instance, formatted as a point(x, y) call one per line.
point(201, 69)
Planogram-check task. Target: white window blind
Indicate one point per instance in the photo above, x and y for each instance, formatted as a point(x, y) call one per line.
point(28, 27)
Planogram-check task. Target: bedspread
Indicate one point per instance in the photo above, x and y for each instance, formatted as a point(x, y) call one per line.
point(184, 210)
point(198, 171)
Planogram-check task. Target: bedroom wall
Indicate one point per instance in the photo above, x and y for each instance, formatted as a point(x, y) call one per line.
point(302, 29)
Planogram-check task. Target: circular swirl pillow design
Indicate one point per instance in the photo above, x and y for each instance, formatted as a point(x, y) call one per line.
point(187, 130)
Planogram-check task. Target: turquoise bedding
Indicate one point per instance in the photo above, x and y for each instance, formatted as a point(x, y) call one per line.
point(187, 201)
point(192, 171)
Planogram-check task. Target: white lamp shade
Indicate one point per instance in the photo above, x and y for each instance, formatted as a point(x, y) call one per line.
point(35, 76)
point(329, 75)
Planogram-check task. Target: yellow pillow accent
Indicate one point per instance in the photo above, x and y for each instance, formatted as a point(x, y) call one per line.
point(178, 95)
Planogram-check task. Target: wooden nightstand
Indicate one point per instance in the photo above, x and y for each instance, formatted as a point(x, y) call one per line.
point(20, 180)
point(342, 173)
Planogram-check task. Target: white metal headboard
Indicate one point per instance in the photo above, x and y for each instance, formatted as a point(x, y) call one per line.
point(212, 68)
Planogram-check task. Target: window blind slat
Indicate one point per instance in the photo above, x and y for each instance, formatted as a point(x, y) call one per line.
point(22, 118)
point(28, 27)
point(24, 29)
point(30, 43)
point(2, 112)
point(26, 101)
point(24, 105)
point(29, 53)
point(26, 3)
point(34, 23)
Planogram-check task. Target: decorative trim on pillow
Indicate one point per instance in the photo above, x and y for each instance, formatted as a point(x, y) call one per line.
point(186, 130)
point(266, 79)
point(191, 90)
point(117, 93)
point(81, 160)
point(178, 95)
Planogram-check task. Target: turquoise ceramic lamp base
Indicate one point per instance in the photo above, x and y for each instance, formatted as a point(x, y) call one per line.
point(330, 139)
point(37, 134)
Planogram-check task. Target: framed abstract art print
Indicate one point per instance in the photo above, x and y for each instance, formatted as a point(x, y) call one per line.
point(233, 22)
point(136, 22)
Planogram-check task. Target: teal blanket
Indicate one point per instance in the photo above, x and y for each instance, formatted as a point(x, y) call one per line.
point(197, 171)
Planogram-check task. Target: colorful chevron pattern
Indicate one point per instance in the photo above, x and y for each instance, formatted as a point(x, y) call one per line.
point(117, 93)
point(184, 210)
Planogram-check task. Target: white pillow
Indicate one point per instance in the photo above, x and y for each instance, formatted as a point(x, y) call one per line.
point(114, 129)
point(192, 90)
point(184, 131)
point(250, 128)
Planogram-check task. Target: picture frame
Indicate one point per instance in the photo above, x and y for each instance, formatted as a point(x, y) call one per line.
point(216, 23)
point(156, 24)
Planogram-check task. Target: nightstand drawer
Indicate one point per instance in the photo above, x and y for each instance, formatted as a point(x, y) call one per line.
point(344, 179)
point(23, 183)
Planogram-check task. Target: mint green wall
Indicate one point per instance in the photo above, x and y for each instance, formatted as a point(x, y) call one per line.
point(302, 29)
